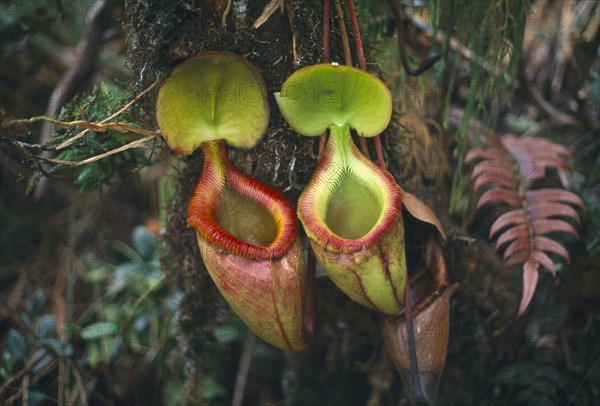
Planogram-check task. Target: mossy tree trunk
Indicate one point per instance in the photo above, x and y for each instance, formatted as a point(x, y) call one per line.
point(347, 347)
point(347, 362)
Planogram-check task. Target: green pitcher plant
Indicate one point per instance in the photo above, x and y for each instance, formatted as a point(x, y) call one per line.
point(247, 231)
point(351, 209)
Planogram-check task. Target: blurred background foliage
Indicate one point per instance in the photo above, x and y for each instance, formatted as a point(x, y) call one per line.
point(87, 315)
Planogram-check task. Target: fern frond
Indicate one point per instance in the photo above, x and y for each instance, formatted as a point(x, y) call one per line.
point(508, 170)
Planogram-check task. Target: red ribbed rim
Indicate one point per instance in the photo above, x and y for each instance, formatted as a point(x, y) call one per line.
point(315, 226)
point(217, 175)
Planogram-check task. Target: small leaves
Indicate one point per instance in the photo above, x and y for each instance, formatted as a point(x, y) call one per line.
point(16, 344)
point(509, 168)
point(98, 330)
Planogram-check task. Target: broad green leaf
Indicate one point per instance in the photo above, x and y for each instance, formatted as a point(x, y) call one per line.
point(172, 393)
point(98, 330)
point(38, 303)
point(46, 327)
point(229, 333)
point(144, 242)
point(211, 389)
point(94, 356)
point(210, 97)
point(16, 344)
point(316, 97)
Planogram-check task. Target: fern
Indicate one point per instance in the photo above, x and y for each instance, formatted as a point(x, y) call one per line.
point(511, 167)
point(96, 106)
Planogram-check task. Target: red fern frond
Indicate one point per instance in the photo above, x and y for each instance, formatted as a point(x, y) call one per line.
point(508, 170)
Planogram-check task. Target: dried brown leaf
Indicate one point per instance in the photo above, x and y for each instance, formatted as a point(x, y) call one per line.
point(421, 211)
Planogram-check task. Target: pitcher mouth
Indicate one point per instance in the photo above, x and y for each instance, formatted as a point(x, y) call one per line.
point(350, 203)
point(238, 213)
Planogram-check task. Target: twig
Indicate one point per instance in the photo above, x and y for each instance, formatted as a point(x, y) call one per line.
point(379, 151)
point(79, 74)
point(554, 114)
point(61, 381)
point(131, 145)
point(342, 27)
point(357, 38)
point(326, 18)
point(26, 390)
point(268, 11)
point(440, 36)
point(25, 145)
point(112, 116)
point(322, 143)
point(33, 381)
point(290, 14)
point(22, 372)
point(226, 14)
point(400, 21)
point(242, 373)
point(98, 127)
point(80, 386)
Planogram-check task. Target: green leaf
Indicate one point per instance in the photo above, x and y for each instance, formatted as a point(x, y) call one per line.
point(46, 326)
point(144, 242)
point(211, 389)
point(98, 330)
point(172, 393)
point(93, 354)
point(229, 333)
point(211, 97)
point(17, 346)
point(316, 97)
point(519, 373)
point(38, 303)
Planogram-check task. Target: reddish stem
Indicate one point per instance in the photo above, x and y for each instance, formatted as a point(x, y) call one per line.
point(322, 143)
point(362, 141)
point(357, 38)
point(379, 150)
point(363, 65)
point(326, 18)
